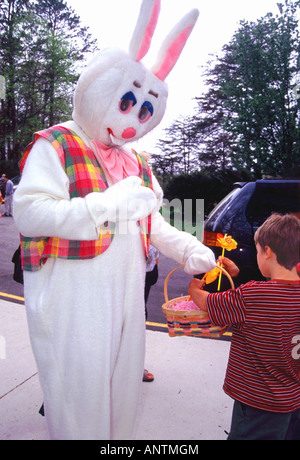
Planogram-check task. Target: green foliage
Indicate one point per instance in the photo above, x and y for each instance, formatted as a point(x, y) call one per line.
point(10, 168)
point(259, 69)
point(249, 118)
point(208, 185)
point(42, 45)
point(178, 147)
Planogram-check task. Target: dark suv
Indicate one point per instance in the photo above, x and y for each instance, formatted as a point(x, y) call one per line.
point(240, 213)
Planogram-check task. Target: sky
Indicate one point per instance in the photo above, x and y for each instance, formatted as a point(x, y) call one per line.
point(112, 23)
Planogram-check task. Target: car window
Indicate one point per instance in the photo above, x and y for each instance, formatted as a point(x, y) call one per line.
point(273, 196)
point(213, 216)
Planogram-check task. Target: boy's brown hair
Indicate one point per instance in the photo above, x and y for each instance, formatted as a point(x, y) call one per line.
point(282, 234)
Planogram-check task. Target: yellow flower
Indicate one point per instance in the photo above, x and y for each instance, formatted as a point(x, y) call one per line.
point(211, 276)
point(226, 242)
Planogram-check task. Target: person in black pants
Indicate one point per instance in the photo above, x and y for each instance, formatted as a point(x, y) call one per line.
point(151, 279)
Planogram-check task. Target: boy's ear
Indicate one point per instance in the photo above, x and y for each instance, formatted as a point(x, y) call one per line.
point(268, 252)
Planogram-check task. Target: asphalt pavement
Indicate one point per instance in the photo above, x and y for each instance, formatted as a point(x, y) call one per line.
point(9, 241)
point(184, 402)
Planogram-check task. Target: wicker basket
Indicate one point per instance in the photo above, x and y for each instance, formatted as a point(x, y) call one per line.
point(189, 323)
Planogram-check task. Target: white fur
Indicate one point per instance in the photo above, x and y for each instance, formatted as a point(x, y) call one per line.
point(109, 76)
point(187, 22)
point(86, 317)
point(112, 73)
point(145, 16)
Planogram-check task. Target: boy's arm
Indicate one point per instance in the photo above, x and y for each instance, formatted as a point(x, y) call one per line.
point(196, 286)
point(224, 308)
point(197, 294)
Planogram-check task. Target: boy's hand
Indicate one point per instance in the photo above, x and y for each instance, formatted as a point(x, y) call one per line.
point(196, 284)
point(229, 266)
point(197, 294)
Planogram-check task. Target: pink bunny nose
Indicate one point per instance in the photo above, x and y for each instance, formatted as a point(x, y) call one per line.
point(128, 133)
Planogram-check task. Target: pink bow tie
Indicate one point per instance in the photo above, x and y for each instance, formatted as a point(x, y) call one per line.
point(119, 163)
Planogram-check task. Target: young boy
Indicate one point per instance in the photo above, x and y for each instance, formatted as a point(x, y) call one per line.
point(263, 372)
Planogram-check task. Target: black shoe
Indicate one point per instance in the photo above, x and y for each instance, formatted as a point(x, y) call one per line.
point(41, 411)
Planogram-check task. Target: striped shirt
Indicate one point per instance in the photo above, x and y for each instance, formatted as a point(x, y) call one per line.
point(264, 362)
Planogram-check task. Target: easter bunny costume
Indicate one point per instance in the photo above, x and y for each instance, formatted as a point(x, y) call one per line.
point(80, 207)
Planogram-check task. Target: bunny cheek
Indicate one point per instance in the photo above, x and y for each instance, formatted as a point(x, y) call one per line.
point(119, 104)
point(96, 104)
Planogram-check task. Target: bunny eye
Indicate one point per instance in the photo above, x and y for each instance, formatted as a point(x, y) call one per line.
point(146, 112)
point(127, 102)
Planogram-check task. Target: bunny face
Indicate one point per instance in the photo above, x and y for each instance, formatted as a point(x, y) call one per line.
point(118, 100)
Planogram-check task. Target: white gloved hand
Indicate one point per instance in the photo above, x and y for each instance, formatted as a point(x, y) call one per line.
point(200, 259)
point(126, 200)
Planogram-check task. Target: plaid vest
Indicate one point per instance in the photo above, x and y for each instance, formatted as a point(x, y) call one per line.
point(85, 176)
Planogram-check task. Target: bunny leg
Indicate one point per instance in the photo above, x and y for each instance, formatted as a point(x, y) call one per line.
point(87, 325)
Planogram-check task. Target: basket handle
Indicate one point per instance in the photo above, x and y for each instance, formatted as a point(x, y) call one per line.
point(181, 266)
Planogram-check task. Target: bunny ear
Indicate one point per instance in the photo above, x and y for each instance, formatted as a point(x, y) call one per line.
point(144, 29)
point(174, 44)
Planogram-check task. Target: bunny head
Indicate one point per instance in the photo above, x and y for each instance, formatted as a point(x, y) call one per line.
point(117, 99)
